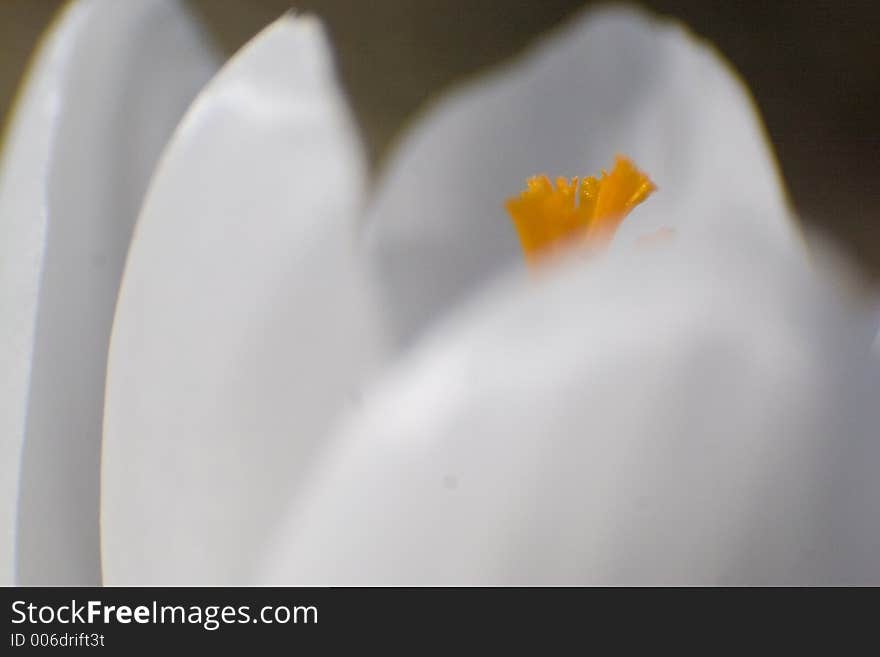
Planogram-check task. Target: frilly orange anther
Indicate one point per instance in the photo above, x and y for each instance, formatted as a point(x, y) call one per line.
point(584, 212)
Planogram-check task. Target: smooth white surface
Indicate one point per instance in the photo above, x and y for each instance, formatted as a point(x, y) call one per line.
point(109, 84)
point(612, 80)
point(704, 414)
point(244, 321)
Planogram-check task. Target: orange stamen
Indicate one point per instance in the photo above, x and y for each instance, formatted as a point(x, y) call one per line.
point(585, 212)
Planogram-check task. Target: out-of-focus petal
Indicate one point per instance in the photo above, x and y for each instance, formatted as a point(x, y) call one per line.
point(244, 321)
point(612, 80)
point(703, 416)
point(877, 324)
point(107, 87)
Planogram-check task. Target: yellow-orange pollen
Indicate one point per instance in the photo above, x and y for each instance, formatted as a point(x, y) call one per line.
point(585, 212)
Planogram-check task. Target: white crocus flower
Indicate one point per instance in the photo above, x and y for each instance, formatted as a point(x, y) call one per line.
point(700, 414)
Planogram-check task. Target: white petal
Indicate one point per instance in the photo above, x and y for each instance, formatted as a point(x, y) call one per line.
point(244, 322)
point(611, 81)
point(705, 420)
point(109, 84)
point(877, 324)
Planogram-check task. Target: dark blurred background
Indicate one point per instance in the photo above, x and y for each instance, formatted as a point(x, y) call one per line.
point(813, 67)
